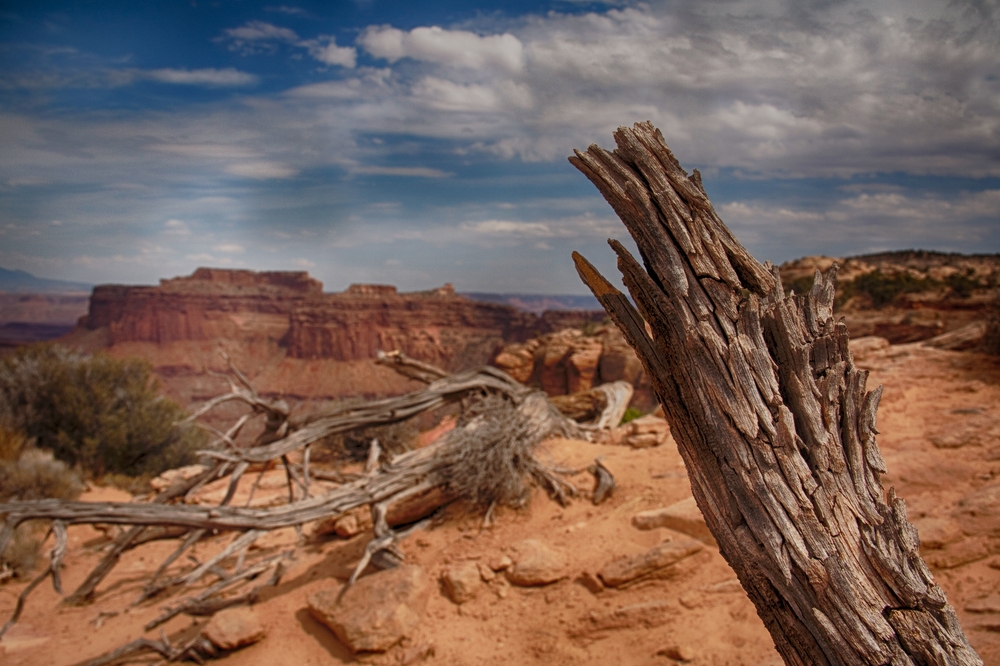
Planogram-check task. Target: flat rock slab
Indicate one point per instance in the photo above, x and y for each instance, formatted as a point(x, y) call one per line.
point(645, 565)
point(645, 615)
point(683, 516)
point(536, 564)
point(378, 611)
point(234, 628)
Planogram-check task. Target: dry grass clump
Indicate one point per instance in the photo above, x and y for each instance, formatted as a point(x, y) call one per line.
point(28, 473)
point(493, 451)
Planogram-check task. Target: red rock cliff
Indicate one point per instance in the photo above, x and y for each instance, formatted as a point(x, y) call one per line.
point(211, 303)
point(291, 309)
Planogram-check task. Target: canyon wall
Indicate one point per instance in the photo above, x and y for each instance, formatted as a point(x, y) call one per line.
point(292, 338)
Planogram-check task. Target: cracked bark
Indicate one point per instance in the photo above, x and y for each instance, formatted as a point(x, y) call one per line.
point(773, 421)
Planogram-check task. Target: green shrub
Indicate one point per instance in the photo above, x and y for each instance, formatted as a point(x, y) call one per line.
point(96, 413)
point(962, 284)
point(631, 414)
point(882, 289)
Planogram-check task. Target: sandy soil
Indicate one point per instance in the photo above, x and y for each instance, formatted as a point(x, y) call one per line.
point(940, 424)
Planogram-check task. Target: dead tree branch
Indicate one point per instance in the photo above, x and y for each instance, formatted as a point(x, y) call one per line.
point(486, 460)
point(773, 421)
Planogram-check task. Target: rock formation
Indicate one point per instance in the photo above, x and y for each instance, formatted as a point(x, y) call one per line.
point(294, 339)
point(905, 296)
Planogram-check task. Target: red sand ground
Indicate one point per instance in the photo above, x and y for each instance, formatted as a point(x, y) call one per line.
point(940, 419)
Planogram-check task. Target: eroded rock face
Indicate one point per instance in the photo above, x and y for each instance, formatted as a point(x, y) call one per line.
point(378, 611)
point(570, 361)
point(289, 308)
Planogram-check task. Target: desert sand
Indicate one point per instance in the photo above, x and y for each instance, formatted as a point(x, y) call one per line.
point(940, 436)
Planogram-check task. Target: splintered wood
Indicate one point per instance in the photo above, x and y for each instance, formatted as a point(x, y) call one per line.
point(773, 421)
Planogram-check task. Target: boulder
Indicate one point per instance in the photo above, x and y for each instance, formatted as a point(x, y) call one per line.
point(378, 611)
point(234, 628)
point(644, 432)
point(462, 581)
point(536, 564)
point(683, 516)
point(653, 562)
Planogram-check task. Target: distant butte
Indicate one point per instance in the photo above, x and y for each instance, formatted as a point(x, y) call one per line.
point(294, 339)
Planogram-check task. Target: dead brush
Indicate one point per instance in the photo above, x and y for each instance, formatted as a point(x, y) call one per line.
point(493, 454)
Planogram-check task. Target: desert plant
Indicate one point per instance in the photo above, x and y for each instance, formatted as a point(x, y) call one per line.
point(631, 414)
point(884, 288)
point(99, 414)
point(27, 473)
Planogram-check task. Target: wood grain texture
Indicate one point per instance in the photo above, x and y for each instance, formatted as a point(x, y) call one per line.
point(773, 420)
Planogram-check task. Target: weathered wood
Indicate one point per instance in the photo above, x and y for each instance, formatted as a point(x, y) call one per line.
point(773, 421)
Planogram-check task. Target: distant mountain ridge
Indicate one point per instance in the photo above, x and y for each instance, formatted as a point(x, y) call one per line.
point(26, 283)
point(538, 303)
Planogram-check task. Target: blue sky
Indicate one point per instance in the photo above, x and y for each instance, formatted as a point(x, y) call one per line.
point(420, 143)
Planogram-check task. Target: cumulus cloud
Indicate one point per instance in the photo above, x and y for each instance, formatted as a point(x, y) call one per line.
point(460, 48)
point(330, 54)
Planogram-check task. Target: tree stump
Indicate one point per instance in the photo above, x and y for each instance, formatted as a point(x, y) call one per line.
point(773, 421)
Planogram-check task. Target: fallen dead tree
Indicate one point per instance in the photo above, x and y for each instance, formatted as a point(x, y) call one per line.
point(774, 423)
point(488, 460)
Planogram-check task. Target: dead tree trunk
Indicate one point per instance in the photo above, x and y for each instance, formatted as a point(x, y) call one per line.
point(773, 422)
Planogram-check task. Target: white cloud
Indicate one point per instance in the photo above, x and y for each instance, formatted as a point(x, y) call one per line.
point(261, 170)
point(445, 47)
point(330, 54)
point(203, 77)
point(257, 36)
point(174, 227)
point(229, 248)
point(304, 263)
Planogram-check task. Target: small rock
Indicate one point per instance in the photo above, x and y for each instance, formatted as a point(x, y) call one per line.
point(628, 569)
point(500, 563)
point(486, 573)
point(645, 432)
point(416, 653)
point(681, 653)
point(233, 628)
point(376, 612)
point(591, 582)
point(536, 564)
point(172, 476)
point(461, 582)
point(683, 516)
point(345, 526)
